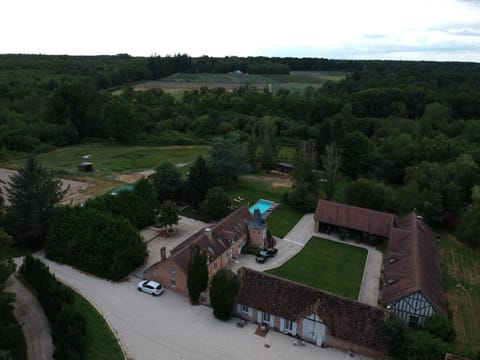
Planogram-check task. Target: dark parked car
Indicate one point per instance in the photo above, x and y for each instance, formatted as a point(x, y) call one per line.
point(272, 252)
point(262, 257)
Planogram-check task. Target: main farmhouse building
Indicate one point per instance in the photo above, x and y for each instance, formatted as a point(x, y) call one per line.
point(222, 243)
point(412, 282)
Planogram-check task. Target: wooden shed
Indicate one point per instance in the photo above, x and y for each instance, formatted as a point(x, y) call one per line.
point(85, 167)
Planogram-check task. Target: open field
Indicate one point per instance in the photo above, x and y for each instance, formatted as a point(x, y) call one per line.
point(461, 275)
point(326, 265)
point(109, 161)
point(295, 81)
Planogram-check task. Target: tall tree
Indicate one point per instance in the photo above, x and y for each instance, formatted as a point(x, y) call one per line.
point(216, 203)
point(168, 181)
point(168, 214)
point(370, 194)
point(304, 195)
point(200, 179)
point(227, 157)
point(33, 195)
point(223, 292)
point(144, 189)
point(331, 162)
point(197, 276)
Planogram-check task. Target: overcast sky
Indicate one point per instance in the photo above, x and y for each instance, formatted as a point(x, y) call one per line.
point(341, 29)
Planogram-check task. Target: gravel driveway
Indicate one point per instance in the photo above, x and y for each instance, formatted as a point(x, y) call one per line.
point(168, 327)
point(30, 315)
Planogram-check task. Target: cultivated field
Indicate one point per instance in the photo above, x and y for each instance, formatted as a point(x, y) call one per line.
point(461, 274)
point(327, 265)
point(295, 81)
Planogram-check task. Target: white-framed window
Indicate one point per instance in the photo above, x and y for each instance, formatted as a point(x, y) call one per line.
point(208, 259)
point(245, 309)
point(288, 325)
point(172, 268)
point(266, 317)
point(215, 265)
point(173, 283)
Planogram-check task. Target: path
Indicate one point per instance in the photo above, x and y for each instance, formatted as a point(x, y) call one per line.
point(31, 316)
point(168, 327)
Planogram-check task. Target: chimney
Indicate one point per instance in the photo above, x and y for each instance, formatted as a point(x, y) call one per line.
point(163, 253)
point(208, 233)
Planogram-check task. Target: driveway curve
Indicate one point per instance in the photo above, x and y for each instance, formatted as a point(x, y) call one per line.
point(29, 313)
point(168, 327)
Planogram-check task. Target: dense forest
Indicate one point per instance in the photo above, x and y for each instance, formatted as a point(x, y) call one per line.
point(408, 130)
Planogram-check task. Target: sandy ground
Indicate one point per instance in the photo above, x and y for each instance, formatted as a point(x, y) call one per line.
point(275, 179)
point(31, 316)
point(133, 177)
point(75, 188)
point(168, 327)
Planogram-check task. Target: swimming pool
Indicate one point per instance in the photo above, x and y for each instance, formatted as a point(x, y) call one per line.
point(262, 205)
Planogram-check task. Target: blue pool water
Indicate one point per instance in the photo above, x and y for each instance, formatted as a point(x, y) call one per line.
point(261, 205)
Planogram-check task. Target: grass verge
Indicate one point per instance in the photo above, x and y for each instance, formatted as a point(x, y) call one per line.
point(101, 342)
point(326, 265)
point(283, 219)
point(461, 277)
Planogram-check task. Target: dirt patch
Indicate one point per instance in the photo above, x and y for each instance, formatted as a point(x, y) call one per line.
point(74, 194)
point(128, 178)
point(274, 180)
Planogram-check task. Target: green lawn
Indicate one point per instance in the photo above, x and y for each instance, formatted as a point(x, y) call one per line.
point(101, 343)
point(461, 277)
point(111, 160)
point(283, 219)
point(327, 265)
point(252, 189)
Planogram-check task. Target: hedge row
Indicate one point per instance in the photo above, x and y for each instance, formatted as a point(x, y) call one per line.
point(96, 242)
point(128, 204)
point(68, 325)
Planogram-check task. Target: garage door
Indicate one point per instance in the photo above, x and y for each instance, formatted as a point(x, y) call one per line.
point(313, 329)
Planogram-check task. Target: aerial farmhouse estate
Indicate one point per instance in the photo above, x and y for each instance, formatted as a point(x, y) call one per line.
point(411, 286)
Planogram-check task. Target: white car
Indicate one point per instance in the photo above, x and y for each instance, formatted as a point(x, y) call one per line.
point(150, 287)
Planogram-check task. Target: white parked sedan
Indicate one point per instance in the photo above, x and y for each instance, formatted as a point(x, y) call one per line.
point(150, 287)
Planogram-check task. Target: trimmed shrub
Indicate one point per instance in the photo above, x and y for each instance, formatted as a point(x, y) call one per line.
point(96, 242)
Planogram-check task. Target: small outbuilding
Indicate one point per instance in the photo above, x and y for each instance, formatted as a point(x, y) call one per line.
point(285, 167)
point(85, 167)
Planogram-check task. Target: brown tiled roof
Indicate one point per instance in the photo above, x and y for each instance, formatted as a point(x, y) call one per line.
point(345, 319)
point(353, 217)
point(412, 262)
point(232, 227)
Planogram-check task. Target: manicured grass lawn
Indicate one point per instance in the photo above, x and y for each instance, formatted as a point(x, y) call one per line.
point(110, 160)
point(253, 189)
point(327, 265)
point(283, 219)
point(461, 277)
point(101, 343)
